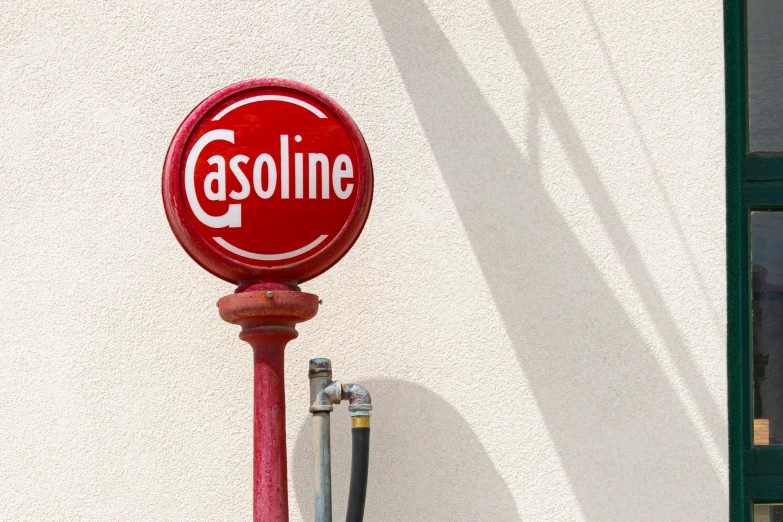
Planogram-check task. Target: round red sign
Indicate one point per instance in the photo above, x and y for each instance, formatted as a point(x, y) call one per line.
point(267, 180)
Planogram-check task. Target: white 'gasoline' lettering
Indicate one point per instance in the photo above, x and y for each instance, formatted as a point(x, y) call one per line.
point(266, 177)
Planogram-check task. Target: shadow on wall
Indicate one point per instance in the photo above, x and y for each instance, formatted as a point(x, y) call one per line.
point(625, 440)
point(415, 435)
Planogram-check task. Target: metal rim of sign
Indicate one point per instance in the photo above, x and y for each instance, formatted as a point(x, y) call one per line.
point(232, 270)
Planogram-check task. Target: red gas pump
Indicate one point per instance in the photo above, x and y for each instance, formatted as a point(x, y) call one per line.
point(266, 184)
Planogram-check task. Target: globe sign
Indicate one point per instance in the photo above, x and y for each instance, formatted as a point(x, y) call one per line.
point(267, 180)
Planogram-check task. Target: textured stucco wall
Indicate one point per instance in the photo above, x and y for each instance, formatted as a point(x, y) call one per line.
point(537, 302)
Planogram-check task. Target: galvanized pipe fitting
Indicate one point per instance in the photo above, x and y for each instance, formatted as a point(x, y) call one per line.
point(324, 398)
point(359, 400)
point(324, 394)
point(320, 375)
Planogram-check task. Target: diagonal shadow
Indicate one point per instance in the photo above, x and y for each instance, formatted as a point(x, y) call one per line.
point(621, 240)
point(616, 421)
point(648, 157)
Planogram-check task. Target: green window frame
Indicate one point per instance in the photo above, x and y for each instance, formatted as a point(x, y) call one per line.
point(753, 182)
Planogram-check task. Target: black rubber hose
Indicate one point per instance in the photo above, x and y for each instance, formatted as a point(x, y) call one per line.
point(360, 460)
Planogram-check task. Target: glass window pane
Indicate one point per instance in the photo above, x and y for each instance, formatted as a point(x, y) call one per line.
point(766, 242)
point(765, 74)
point(768, 513)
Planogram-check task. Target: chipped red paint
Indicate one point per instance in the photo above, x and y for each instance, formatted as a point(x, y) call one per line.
point(268, 314)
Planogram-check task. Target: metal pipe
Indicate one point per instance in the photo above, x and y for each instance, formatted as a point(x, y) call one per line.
point(323, 393)
point(322, 474)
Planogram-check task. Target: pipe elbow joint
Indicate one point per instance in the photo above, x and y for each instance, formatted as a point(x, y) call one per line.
point(359, 400)
point(324, 399)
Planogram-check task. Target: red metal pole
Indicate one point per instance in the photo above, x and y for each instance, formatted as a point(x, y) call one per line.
point(268, 314)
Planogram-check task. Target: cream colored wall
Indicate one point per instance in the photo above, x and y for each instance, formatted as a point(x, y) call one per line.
point(537, 302)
